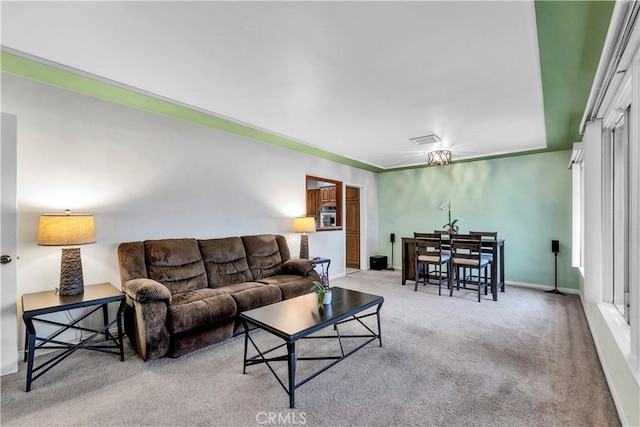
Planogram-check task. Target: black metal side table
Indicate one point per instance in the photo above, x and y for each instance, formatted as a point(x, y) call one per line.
point(40, 303)
point(321, 262)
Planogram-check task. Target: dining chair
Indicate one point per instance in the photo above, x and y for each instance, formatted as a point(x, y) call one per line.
point(486, 251)
point(429, 253)
point(466, 253)
point(444, 237)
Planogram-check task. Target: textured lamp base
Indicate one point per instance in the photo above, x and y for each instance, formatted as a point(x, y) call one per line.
point(71, 282)
point(304, 247)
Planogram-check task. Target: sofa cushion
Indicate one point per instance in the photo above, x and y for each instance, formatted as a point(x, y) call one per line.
point(201, 308)
point(250, 295)
point(263, 255)
point(176, 263)
point(195, 295)
point(290, 285)
point(225, 261)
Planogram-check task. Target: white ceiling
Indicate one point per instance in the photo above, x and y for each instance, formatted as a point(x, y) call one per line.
point(358, 79)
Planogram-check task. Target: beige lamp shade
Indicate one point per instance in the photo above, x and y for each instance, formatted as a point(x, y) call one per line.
point(304, 224)
point(66, 229)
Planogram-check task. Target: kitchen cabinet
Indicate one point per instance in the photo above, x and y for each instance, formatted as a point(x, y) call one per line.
point(324, 193)
point(313, 202)
point(328, 195)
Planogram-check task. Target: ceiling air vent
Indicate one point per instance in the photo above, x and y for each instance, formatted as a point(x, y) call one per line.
point(425, 140)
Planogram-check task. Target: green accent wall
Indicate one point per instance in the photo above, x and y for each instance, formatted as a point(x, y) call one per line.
point(526, 199)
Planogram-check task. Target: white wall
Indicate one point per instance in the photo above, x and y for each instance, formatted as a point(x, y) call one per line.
point(145, 176)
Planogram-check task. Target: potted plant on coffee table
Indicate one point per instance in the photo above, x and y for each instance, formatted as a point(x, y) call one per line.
point(324, 294)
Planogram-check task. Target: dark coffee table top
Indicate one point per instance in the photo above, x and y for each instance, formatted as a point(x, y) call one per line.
point(298, 317)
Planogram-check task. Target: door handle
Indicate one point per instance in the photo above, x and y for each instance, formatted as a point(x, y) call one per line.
point(5, 259)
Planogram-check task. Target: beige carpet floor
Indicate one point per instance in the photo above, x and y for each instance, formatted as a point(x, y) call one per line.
point(526, 360)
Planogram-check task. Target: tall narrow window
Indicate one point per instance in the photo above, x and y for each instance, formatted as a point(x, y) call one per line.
point(620, 205)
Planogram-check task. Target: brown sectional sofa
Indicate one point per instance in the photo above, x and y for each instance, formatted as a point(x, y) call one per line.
point(185, 294)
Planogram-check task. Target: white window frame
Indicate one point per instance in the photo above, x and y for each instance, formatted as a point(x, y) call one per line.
point(634, 212)
point(577, 207)
point(616, 87)
point(626, 95)
point(621, 213)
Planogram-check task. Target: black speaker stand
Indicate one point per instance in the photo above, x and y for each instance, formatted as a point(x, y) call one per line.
point(390, 268)
point(555, 280)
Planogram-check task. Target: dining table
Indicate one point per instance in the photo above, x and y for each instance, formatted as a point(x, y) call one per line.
point(493, 246)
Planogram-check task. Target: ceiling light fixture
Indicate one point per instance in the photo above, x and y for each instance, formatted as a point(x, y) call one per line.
point(439, 157)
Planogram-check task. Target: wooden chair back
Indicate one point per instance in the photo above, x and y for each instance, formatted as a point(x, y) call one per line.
point(427, 244)
point(486, 234)
point(493, 235)
point(466, 249)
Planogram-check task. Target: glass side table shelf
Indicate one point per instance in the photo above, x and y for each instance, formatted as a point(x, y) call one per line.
point(35, 305)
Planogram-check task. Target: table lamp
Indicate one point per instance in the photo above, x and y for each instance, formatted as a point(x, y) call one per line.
point(62, 230)
point(304, 225)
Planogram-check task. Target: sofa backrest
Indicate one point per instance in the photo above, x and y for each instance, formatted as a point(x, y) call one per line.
point(176, 263)
point(186, 264)
point(131, 261)
point(225, 261)
point(264, 255)
point(284, 248)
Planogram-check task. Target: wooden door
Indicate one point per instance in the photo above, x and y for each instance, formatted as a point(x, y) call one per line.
point(352, 230)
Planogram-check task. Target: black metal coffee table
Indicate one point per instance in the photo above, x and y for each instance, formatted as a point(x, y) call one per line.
point(298, 318)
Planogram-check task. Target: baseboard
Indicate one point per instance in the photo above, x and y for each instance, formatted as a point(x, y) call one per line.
point(543, 287)
point(337, 275)
point(534, 286)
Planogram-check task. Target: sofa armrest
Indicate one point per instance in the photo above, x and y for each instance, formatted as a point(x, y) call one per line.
point(146, 290)
point(300, 267)
point(146, 317)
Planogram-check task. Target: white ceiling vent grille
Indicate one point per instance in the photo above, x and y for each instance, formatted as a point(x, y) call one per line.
point(426, 140)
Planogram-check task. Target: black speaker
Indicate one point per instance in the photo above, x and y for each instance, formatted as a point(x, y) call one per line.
point(378, 262)
point(555, 246)
point(392, 238)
